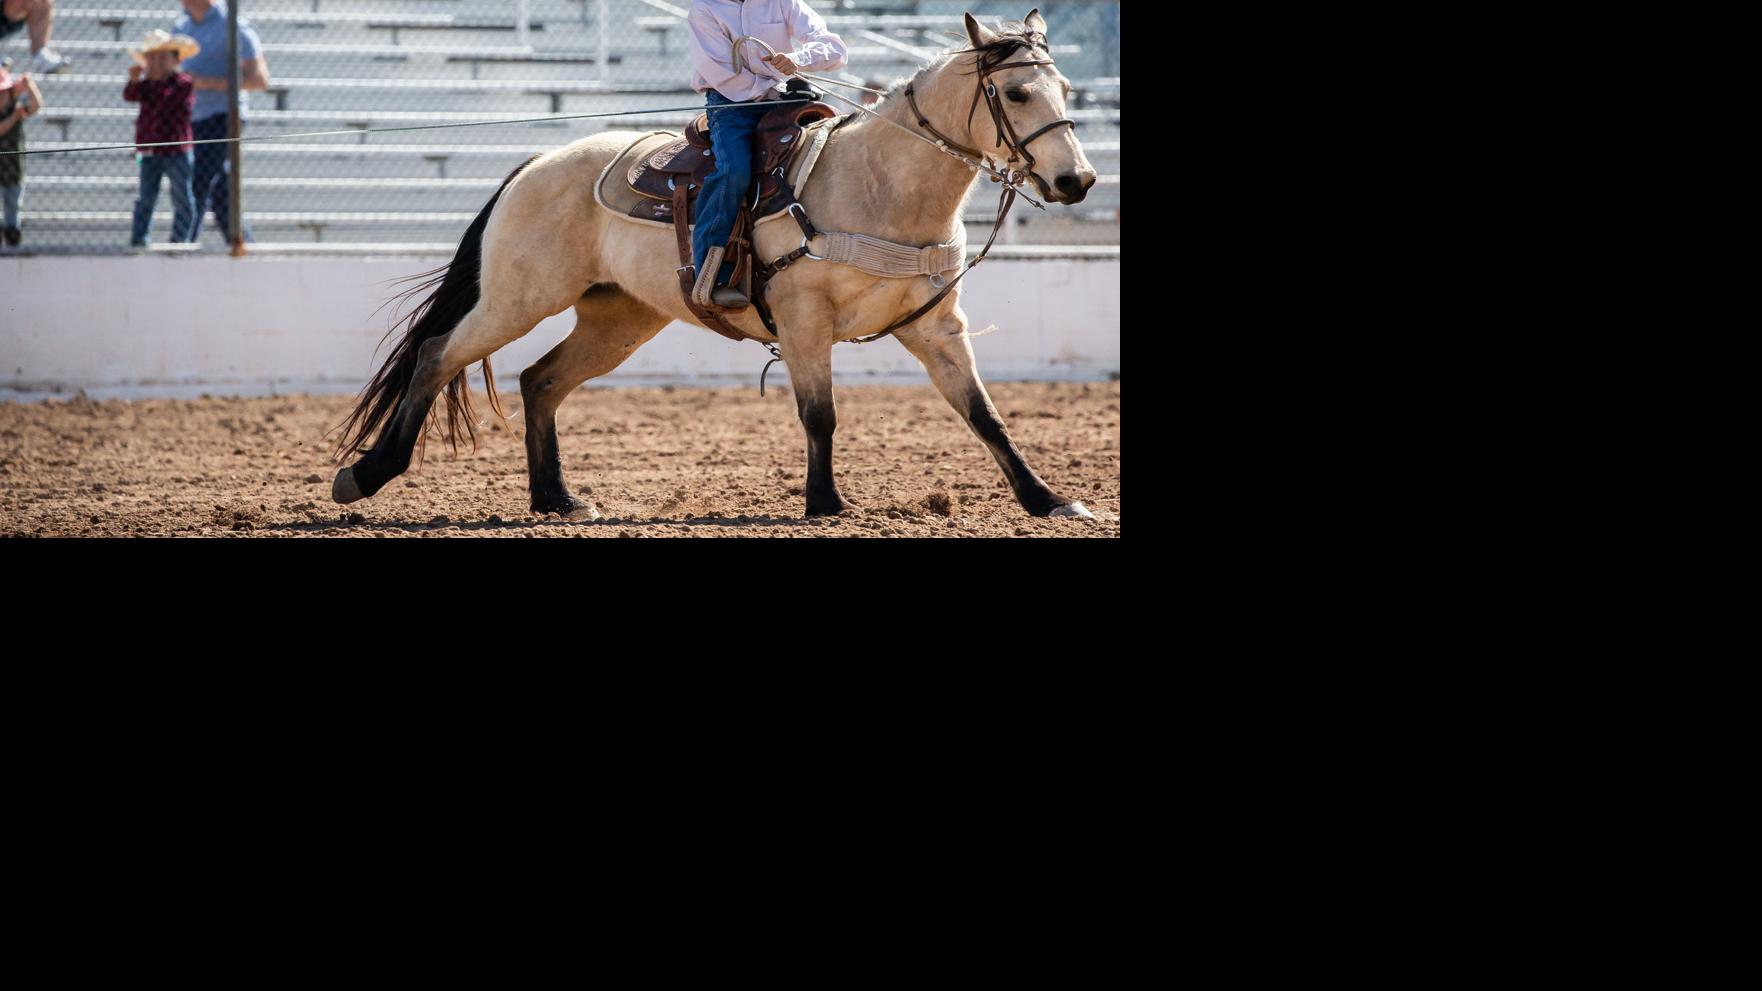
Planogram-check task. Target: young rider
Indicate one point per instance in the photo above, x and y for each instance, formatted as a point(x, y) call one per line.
point(736, 91)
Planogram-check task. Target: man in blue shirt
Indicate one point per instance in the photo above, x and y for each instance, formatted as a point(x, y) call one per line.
point(205, 21)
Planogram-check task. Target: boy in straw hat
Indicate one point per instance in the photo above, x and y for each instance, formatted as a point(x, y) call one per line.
point(19, 98)
point(162, 131)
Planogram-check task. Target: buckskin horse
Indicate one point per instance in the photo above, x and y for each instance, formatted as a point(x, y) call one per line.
point(546, 241)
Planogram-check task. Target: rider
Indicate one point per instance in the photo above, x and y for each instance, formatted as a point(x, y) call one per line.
point(736, 91)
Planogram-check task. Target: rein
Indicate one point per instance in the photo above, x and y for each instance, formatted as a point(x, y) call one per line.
point(977, 166)
point(1006, 137)
point(1006, 131)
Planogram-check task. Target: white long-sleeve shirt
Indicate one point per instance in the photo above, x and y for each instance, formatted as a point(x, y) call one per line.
point(790, 27)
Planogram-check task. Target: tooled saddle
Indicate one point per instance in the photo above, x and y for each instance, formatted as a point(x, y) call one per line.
point(669, 181)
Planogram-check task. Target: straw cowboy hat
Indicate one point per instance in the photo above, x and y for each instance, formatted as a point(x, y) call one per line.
point(157, 40)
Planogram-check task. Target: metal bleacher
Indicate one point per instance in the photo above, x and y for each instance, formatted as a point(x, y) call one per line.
point(357, 67)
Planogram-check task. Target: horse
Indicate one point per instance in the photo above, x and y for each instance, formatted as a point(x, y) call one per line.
point(542, 244)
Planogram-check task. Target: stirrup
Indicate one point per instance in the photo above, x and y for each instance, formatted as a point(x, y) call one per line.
point(704, 291)
point(706, 278)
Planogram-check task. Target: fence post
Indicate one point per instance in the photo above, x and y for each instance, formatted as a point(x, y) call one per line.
point(234, 182)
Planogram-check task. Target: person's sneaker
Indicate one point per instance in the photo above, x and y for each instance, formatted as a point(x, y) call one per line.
point(137, 249)
point(48, 61)
point(11, 235)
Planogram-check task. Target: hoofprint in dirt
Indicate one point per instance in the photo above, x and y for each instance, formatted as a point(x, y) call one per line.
point(656, 462)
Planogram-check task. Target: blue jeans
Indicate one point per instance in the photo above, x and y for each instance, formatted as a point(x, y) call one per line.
point(176, 170)
point(731, 134)
point(210, 179)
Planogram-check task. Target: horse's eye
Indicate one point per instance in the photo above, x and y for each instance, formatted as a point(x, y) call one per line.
point(1017, 96)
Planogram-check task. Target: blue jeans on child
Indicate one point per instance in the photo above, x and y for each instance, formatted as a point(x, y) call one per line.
point(9, 197)
point(176, 169)
point(731, 135)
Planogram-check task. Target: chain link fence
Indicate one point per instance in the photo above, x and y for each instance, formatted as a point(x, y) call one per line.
point(369, 72)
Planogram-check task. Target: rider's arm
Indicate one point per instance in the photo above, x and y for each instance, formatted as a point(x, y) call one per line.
point(817, 48)
point(711, 48)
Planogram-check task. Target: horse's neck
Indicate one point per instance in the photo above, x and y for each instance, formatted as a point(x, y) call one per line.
point(922, 188)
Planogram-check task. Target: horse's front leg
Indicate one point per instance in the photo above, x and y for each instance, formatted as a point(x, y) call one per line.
point(939, 340)
point(810, 373)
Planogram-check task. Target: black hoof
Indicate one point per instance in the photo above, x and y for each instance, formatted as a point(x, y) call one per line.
point(834, 506)
point(344, 488)
point(568, 507)
point(1049, 505)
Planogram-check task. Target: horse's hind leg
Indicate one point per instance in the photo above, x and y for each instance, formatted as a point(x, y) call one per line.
point(609, 326)
point(941, 344)
point(438, 360)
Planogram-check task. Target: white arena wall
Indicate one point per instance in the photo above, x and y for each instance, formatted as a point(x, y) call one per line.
point(181, 325)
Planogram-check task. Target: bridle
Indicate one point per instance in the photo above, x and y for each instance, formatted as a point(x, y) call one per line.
point(1007, 137)
point(1010, 178)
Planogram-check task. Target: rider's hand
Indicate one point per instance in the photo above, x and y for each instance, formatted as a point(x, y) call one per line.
point(134, 72)
point(783, 64)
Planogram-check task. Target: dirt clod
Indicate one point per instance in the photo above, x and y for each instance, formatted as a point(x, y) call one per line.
point(941, 503)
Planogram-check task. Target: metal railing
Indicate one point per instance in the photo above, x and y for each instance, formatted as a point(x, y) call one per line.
point(362, 68)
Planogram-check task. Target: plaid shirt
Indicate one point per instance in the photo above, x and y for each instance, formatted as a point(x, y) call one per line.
point(165, 112)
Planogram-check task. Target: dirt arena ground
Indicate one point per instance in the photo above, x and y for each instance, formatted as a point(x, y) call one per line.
point(657, 463)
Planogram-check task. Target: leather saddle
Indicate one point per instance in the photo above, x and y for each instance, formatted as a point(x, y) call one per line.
point(670, 179)
point(688, 160)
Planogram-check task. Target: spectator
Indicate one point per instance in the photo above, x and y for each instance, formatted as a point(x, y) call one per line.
point(205, 23)
point(166, 96)
point(39, 15)
point(19, 99)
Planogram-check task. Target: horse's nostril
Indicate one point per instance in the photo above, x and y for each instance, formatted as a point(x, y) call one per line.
point(1089, 180)
point(1069, 185)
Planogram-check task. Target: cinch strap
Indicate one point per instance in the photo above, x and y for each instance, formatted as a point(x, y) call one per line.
point(889, 260)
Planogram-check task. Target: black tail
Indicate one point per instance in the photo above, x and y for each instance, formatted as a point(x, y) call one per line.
point(455, 292)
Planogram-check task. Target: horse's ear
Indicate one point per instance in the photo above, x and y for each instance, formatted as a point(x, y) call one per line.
point(1034, 22)
point(978, 33)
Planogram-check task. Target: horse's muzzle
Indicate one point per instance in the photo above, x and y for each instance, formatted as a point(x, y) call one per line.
point(1073, 188)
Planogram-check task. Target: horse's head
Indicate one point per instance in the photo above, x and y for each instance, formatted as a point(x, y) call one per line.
point(1026, 95)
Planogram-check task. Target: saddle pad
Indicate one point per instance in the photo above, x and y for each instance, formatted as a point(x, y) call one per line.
point(614, 193)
